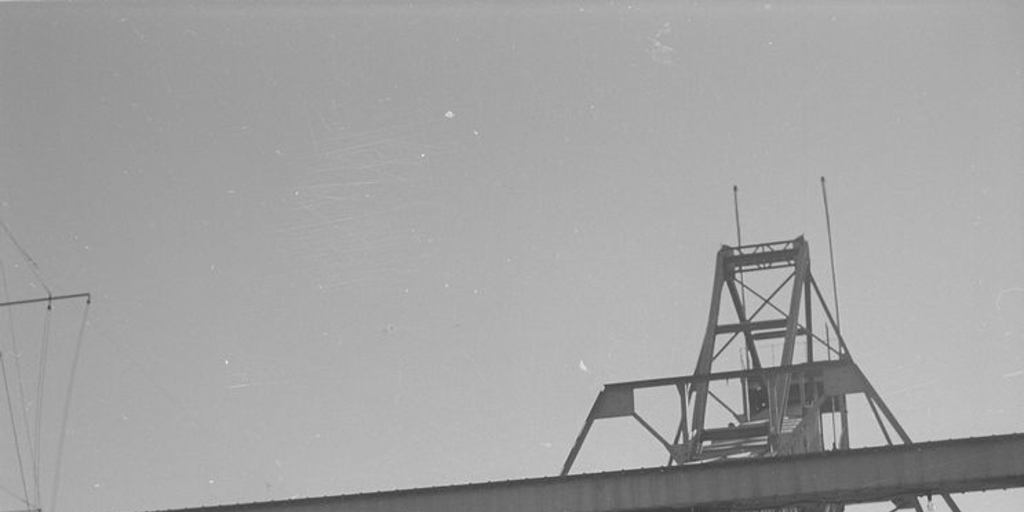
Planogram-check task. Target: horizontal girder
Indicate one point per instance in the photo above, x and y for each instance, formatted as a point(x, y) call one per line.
point(779, 323)
point(850, 476)
point(815, 368)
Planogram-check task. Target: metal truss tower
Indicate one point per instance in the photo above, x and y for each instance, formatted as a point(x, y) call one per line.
point(794, 373)
point(763, 448)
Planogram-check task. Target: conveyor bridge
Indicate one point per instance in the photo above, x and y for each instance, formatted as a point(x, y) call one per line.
point(763, 447)
point(847, 476)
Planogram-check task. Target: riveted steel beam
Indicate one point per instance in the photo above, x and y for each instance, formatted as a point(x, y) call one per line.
point(844, 476)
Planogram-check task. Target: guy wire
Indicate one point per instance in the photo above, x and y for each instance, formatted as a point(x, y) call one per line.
point(14, 429)
point(32, 265)
point(40, 392)
point(17, 369)
point(67, 406)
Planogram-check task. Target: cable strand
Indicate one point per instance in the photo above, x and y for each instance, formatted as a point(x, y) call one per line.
point(33, 266)
point(17, 371)
point(40, 390)
point(14, 430)
point(67, 407)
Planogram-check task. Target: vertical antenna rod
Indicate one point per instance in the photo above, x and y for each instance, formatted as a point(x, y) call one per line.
point(831, 253)
point(739, 241)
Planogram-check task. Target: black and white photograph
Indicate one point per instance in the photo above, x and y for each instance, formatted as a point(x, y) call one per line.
point(495, 256)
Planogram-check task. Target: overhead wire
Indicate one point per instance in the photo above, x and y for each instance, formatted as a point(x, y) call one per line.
point(14, 430)
point(17, 372)
point(40, 391)
point(19, 498)
point(34, 445)
point(41, 378)
point(33, 266)
point(67, 405)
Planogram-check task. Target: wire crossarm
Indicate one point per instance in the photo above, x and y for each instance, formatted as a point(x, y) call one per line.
point(32, 430)
point(53, 298)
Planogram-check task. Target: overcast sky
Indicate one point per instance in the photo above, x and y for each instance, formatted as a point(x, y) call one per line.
point(344, 249)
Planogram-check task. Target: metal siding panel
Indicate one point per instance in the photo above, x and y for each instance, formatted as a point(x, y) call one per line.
point(614, 402)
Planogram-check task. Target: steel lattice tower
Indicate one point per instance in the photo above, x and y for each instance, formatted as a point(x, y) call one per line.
point(794, 369)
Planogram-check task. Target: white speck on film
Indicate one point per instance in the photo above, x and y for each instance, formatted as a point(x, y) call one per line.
point(660, 52)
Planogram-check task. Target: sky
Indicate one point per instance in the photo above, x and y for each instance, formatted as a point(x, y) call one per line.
point(370, 246)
